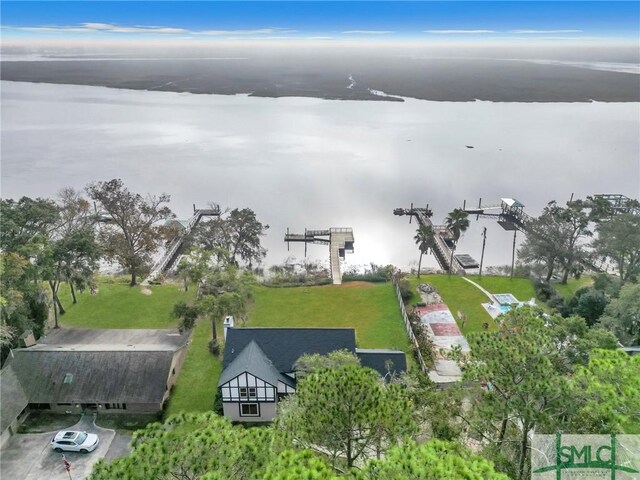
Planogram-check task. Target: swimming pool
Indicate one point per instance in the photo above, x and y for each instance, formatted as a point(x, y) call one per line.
point(505, 299)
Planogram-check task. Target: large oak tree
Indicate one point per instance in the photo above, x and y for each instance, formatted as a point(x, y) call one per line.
point(133, 230)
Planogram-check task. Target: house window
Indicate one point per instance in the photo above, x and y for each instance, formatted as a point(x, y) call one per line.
point(249, 410)
point(248, 392)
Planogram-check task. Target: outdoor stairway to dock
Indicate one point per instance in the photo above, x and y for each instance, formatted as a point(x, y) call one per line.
point(339, 240)
point(174, 249)
point(441, 249)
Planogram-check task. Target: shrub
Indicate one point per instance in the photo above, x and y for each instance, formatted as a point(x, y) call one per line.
point(544, 291)
point(405, 289)
point(186, 314)
point(608, 284)
point(217, 403)
point(588, 303)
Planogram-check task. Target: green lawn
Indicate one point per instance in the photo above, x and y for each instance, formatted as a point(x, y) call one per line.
point(572, 286)
point(461, 296)
point(117, 305)
point(120, 306)
point(370, 308)
point(521, 288)
point(196, 386)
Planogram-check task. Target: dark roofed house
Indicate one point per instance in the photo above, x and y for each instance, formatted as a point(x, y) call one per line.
point(70, 370)
point(259, 365)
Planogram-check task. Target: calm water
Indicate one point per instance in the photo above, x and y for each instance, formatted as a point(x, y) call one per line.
point(302, 162)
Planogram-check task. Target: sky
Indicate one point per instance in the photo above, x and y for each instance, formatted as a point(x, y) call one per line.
point(26, 22)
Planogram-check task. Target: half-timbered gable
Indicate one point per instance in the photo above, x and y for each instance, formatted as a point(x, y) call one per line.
point(259, 365)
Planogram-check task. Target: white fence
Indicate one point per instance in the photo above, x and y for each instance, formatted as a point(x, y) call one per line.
point(407, 325)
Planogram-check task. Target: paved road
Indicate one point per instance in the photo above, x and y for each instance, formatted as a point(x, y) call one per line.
point(28, 456)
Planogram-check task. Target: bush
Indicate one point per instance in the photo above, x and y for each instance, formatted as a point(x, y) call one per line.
point(425, 344)
point(217, 403)
point(405, 290)
point(375, 274)
point(608, 284)
point(544, 291)
point(186, 314)
point(588, 303)
point(557, 302)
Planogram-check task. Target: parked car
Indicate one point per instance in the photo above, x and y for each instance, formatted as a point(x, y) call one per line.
point(73, 441)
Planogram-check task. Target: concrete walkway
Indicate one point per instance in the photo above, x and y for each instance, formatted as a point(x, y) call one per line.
point(487, 293)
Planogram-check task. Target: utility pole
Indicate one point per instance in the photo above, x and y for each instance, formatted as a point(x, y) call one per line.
point(513, 253)
point(484, 240)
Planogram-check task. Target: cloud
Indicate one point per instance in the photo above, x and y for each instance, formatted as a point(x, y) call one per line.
point(367, 32)
point(455, 32)
point(93, 27)
point(270, 37)
point(50, 29)
point(105, 27)
point(319, 38)
point(543, 31)
point(259, 31)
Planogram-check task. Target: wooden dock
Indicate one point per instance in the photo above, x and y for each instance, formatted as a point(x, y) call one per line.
point(444, 239)
point(339, 240)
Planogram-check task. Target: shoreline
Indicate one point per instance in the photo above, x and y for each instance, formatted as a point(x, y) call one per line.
point(387, 98)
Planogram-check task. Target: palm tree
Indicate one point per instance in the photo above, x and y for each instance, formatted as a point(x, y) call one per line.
point(425, 238)
point(457, 222)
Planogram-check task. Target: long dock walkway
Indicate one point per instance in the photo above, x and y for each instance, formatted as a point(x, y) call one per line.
point(443, 237)
point(339, 240)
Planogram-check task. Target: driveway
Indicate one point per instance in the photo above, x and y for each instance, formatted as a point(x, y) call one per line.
point(28, 456)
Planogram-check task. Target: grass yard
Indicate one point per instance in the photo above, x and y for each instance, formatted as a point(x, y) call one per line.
point(573, 285)
point(370, 308)
point(462, 296)
point(521, 288)
point(196, 386)
point(459, 296)
point(117, 305)
point(120, 306)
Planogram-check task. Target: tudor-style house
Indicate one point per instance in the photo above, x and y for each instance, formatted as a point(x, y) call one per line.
point(259, 365)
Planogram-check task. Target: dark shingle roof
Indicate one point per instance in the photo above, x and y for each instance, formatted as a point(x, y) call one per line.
point(14, 399)
point(103, 376)
point(252, 359)
point(284, 346)
point(378, 360)
point(87, 366)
